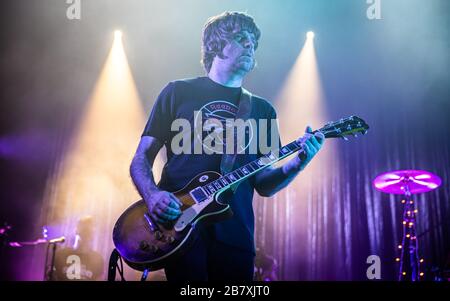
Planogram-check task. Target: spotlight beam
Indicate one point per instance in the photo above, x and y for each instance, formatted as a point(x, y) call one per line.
point(117, 34)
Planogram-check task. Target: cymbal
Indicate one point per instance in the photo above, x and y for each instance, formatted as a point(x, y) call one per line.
point(398, 181)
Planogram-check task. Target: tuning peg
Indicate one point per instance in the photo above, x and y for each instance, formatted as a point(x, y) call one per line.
point(355, 135)
point(345, 138)
point(364, 132)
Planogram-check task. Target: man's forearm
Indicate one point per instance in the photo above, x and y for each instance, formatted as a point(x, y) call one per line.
point(275, 179)
point(142, 176)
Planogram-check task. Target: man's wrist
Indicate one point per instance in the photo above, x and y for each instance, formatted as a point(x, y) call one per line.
point(151, 191)
point(293, 166)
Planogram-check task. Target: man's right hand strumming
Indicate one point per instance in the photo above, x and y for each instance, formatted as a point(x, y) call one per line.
point(163, 206)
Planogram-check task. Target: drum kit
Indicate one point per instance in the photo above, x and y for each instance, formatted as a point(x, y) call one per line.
point(407, 183)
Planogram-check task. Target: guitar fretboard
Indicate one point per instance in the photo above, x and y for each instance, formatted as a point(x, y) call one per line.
point(339, 129)
point(251, 168)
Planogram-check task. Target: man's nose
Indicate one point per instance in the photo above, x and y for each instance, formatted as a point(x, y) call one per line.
point(248, 44)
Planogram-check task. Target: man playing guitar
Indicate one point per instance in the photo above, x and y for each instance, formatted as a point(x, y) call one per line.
point(224, 250)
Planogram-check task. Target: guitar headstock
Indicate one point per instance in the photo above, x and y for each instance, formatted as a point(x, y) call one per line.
point(350, 126)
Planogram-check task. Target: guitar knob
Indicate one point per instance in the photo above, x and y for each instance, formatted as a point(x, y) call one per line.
point(170, 239)
point(143, 245)
point(158, 235)
point(154, 248)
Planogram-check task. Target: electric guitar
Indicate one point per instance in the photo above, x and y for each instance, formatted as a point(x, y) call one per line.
point(146, 244)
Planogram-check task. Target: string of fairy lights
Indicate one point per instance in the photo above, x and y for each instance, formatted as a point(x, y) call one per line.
point(410, 264)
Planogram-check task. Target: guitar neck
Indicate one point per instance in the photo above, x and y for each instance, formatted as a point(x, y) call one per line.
point(340, 129)
point(249, 169)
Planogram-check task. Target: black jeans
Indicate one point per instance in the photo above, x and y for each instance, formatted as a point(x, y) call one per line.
point(210, 260)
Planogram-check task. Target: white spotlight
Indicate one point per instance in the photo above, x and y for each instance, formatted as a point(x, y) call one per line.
point(310, 35)
point(117, 34)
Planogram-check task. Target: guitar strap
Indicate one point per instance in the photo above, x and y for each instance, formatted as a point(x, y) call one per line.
point(244, 111)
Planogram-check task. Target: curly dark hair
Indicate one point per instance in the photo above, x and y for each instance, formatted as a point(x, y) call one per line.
point(219, 30)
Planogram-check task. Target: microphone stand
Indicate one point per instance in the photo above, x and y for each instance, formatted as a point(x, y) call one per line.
point(48, 271)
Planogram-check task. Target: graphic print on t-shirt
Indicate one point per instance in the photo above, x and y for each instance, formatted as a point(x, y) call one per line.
point(217, 120)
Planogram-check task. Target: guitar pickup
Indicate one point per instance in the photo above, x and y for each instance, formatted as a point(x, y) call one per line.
point(198, 194)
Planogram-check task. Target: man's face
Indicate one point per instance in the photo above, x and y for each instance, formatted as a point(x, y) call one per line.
point(239, 53)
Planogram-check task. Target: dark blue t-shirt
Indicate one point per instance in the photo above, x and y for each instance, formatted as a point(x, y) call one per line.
point(202, 99)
